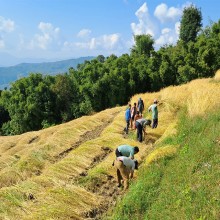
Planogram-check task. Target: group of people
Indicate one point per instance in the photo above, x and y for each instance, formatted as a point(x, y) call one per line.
point(134, 119)
point(125, 162)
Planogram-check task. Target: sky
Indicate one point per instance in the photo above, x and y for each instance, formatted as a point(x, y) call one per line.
point(64, 29)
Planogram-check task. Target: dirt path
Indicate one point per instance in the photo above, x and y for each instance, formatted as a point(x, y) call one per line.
point(107, 188)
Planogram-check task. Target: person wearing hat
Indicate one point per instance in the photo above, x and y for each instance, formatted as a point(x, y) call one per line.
point(141, 126)
point(154, 110)
point(125, 170)
point(126, 150)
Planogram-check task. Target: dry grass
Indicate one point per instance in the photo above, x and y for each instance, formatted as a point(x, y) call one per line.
point(204, 97)
point(34, 151)
point(217, 75)
point(53, 163)
point(167, 151)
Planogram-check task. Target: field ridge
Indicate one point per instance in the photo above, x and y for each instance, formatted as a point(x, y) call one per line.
point(66, 172)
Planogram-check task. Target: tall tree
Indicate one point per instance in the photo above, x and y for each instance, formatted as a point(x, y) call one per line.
point(190, 24)
point(143, 45)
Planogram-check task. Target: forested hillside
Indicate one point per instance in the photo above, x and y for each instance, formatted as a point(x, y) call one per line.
point(39, 101)
point(13, 73)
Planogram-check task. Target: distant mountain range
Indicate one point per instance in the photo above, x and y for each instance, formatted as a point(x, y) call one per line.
point(12, 73)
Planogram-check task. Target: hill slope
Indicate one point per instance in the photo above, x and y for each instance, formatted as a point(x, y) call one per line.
point(12, 73)
point(65, 172)
point(179, 179)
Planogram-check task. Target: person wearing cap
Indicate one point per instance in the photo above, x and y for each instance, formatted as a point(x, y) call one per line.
point(125, 170)
point(154, 110)
point(126, 150)
point(141, 126)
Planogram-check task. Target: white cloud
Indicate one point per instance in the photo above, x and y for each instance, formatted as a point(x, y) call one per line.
point(110, 41)
point(163, 25)
point(166, 31)
point(84, 33)
point(48, 36)
point(177, 28)
point(165, 14)
point(168, 36)
point(107, 42)
point(146, 24)
point(6, 25)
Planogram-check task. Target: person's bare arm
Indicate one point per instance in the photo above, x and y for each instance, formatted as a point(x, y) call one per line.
point(132, 174)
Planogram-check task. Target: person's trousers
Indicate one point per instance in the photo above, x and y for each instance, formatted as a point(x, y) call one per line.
point(122, 173)
point(155, 123)
point(127, 126)
point(139, 131)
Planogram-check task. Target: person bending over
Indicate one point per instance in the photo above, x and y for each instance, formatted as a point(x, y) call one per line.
point(141, 126)
point(125, 170)
point(126, 150)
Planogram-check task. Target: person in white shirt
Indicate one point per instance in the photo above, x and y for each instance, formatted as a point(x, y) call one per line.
point(154, 110)
point(125, 169)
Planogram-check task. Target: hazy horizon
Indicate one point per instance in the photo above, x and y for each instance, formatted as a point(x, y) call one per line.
point(57, 30)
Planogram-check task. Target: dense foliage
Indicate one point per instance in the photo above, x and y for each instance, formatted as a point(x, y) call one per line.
point(190, 24)
point(39, 101)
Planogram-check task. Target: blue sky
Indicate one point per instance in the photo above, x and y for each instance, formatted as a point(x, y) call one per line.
point(62, 29)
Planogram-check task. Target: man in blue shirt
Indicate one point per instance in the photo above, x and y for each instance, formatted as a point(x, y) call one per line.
point(127, 118)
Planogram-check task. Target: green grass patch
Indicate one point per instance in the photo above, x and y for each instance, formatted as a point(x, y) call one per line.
point(185, 186)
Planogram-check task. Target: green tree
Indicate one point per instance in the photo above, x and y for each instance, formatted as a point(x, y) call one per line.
point(29, 102)
point(67, 94)
point(190, 23)
point(208, 46)
point(143, 45)
point(4, 115)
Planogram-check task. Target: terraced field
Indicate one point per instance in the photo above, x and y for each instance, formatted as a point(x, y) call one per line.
point(66, 172)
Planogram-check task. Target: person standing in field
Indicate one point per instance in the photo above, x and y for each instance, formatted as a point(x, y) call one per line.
point(154, 110)
point(133, 113)
point(140, 105)
point(125, 170)
point(141, 126)
point(127, 118)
